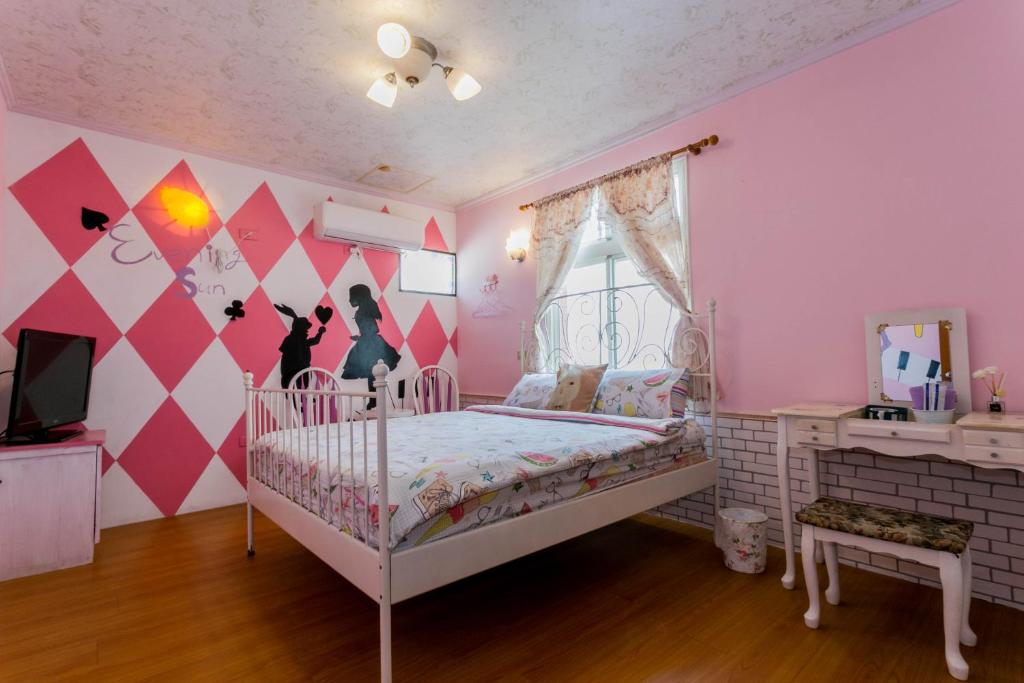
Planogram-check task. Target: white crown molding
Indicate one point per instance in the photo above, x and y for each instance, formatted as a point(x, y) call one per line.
point(200, 150)
point(853, 40)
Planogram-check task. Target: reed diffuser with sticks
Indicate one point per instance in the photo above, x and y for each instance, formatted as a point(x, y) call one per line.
point(994, 382)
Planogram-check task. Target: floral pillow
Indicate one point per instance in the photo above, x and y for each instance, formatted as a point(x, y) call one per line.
point(643, 393)
point(532, 391)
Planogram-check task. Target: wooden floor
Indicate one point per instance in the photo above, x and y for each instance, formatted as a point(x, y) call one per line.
point(642, 600)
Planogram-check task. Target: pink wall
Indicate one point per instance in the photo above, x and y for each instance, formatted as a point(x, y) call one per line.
point(885, 177)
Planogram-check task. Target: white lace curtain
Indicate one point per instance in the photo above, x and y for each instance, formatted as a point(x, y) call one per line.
point(558, 226)
point(639, 207)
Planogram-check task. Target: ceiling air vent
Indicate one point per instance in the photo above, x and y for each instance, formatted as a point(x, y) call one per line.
point(385, 177)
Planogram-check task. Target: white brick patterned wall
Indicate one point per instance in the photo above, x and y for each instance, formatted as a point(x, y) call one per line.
point(992, 499)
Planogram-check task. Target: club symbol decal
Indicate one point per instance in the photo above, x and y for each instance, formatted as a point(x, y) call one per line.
point(234, 311)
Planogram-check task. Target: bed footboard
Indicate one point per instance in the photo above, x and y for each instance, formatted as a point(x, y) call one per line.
point(294, 437)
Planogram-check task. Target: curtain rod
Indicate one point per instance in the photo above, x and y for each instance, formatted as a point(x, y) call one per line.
point(692, 148)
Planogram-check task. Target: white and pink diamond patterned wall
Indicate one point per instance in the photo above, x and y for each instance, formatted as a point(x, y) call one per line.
point(167, 383)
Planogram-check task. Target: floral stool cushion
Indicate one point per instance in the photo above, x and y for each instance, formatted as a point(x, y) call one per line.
point(889, 524)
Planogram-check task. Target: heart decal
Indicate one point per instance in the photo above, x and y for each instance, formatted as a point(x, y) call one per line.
point(323, 314)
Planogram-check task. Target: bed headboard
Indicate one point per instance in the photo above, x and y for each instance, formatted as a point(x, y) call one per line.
point(627, 327)
point(631, 327)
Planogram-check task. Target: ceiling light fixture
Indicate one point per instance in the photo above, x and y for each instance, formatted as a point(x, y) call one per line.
point(384, 90)
point(394, 40)
point(461, 84)
point(414, 57)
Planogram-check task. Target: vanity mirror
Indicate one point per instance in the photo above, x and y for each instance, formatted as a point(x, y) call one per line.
point(906, 349)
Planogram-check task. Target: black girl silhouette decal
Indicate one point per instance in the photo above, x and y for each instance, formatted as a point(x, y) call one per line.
point(296, 355)
point(369, 345)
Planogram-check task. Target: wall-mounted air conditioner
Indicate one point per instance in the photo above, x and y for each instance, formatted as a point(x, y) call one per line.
point(334, 222)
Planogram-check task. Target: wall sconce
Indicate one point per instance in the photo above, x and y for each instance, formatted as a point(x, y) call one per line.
point(187, 209)
point(517, 244)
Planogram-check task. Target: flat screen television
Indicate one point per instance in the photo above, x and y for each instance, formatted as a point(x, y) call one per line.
point(52, 375)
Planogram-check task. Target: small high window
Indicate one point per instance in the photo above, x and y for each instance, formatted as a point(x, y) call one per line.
point(427, 272)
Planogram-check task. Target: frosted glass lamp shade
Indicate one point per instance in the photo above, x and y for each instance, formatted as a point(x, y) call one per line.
point(384, 90)
point(394, 40)
point(517, 244)
point(461, 85)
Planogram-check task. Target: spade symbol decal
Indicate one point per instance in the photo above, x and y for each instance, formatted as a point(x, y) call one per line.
point(234, 311)
point(94, 220)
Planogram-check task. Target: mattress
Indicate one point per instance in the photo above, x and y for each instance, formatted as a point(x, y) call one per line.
point(456, 471)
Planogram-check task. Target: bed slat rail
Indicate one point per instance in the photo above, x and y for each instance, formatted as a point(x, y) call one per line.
point(298, 438)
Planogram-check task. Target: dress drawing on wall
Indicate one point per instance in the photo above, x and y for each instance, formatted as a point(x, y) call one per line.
point(369, 345)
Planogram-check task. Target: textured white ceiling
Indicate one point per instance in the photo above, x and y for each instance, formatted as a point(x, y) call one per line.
point(282, 82)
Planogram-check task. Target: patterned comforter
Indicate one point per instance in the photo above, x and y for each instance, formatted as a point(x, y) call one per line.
point(450, 472)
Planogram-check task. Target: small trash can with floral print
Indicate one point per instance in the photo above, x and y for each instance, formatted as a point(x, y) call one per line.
point(743, 535)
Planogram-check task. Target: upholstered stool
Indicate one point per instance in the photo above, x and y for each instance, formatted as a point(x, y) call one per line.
point(935, 541)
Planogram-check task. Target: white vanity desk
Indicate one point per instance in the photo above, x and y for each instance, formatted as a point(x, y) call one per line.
point(991, 440)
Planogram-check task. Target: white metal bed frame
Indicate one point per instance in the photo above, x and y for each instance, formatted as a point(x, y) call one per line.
point(388, 576)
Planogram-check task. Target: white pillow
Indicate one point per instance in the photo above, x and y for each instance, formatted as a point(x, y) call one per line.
point(533, 390)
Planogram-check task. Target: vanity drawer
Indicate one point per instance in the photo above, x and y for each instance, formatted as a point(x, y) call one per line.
point(815, 438)
point(994, 456)
point(827, 426)
point(904, 431)
point(978, 437)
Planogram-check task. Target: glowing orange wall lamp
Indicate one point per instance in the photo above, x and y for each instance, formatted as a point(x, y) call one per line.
point(186, 209)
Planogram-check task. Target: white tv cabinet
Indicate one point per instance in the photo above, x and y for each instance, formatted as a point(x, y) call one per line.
point(49, 504)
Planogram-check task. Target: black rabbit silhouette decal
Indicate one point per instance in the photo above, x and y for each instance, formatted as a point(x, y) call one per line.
point(296, 355)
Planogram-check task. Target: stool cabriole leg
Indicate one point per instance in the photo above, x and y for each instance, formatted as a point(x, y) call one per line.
point(952, 577)
point(832, 564)
point(812, 617)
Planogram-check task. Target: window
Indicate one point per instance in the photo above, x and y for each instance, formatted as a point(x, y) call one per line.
point(606, 312)
point(427, 272)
